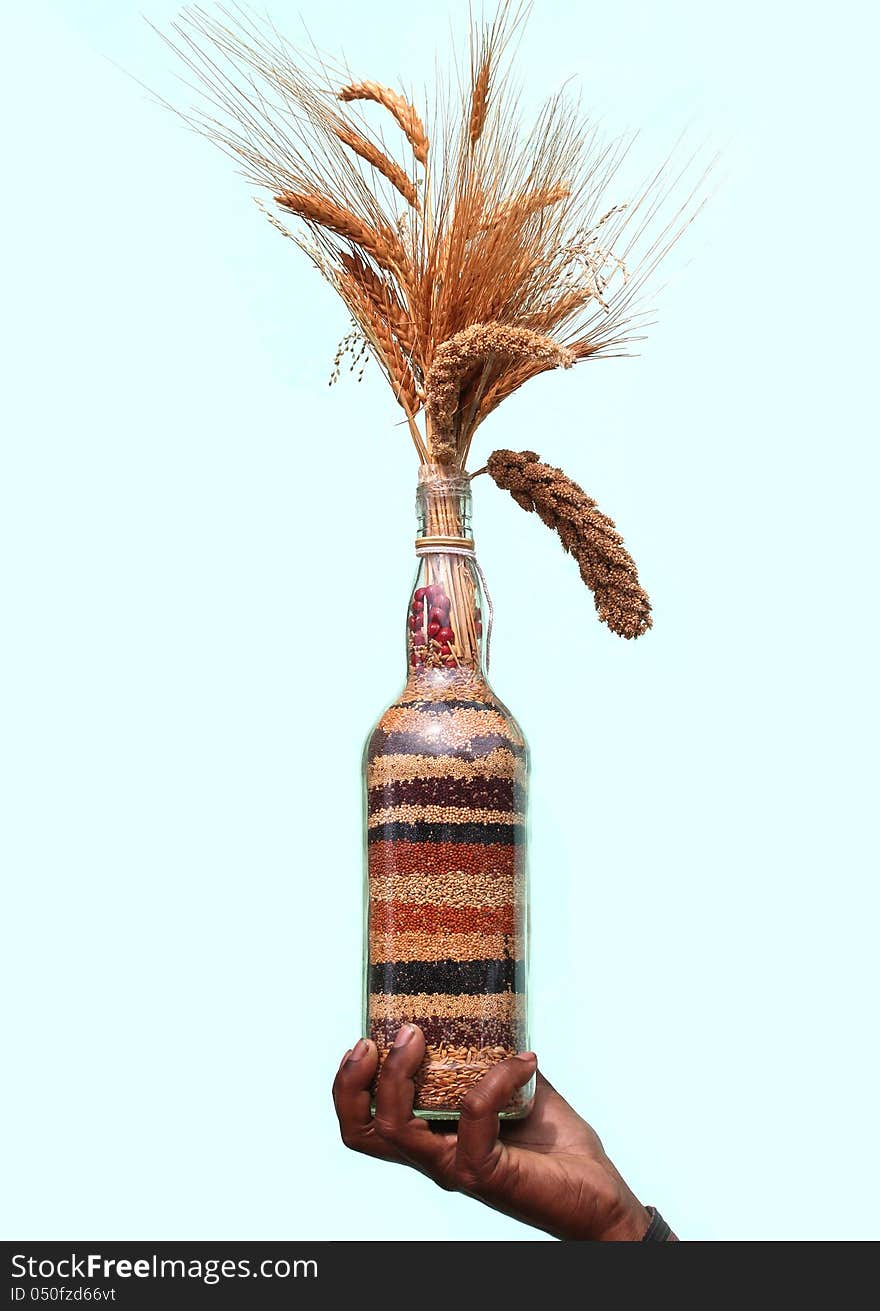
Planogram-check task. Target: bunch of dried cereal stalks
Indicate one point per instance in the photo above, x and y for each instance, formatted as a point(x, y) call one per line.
point(471, 258)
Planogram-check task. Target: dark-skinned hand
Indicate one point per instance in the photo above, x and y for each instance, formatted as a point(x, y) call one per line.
point(548, 1170)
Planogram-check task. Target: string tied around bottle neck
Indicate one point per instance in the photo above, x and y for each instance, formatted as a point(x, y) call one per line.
point(464, 547)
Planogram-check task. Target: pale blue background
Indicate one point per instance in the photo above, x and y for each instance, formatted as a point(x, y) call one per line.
point(186, 510)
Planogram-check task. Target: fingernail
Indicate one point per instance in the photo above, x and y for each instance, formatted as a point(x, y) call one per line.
point(359, 1050)
point(527, 1056)
point(345, 1057)
point(404, 1033)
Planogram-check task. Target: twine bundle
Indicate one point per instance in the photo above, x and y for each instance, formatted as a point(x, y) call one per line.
point(471, 259)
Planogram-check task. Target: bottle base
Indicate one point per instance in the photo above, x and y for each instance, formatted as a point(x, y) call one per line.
point(513, 1112)
point(443, 1082)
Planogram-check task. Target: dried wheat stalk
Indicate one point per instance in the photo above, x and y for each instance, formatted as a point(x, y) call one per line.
point(479, 102)
point(508, 256)
point(379, 160)
point(382, 297)
point(590, 536)
point(383, 341)
point(400, 109)
point(517, 209)
point(381, 244)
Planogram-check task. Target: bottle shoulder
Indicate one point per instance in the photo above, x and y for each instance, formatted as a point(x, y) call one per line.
point(443, 715)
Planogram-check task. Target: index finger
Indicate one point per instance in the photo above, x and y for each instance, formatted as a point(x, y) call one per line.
point(351, 1097)
point(394, 1120)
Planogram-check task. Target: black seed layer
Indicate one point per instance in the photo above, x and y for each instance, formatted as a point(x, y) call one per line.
point(424, 832)
point(454, 1033)
point(470, 977)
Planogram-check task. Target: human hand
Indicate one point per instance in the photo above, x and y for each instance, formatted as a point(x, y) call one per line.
point(548, 1170)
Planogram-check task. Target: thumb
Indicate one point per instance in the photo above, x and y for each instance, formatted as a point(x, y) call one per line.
point(477, 1140)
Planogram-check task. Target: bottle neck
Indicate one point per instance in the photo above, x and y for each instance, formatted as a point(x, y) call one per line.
point(443, 503)
point(445, 618)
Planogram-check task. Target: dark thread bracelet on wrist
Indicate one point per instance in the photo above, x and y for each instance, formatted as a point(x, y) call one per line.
point(658, 1230)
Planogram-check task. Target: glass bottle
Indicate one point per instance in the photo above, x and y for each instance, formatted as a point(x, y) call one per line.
point(445, 788)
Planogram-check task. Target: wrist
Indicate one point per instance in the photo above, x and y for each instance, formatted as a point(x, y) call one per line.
point(626, 1220)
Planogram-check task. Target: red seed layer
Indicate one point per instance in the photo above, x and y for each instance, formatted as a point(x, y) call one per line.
point(434, 858)
point(388, 915)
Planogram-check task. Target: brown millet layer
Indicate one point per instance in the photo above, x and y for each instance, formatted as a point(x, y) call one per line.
point(458, 727)
point(419, 744)
point(409, 1006)
point(454, 888)
point(443, 815)
point(392, 769)
point(412, 945)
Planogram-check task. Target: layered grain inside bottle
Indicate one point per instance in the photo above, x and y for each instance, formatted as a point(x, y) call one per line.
point(446, 800)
